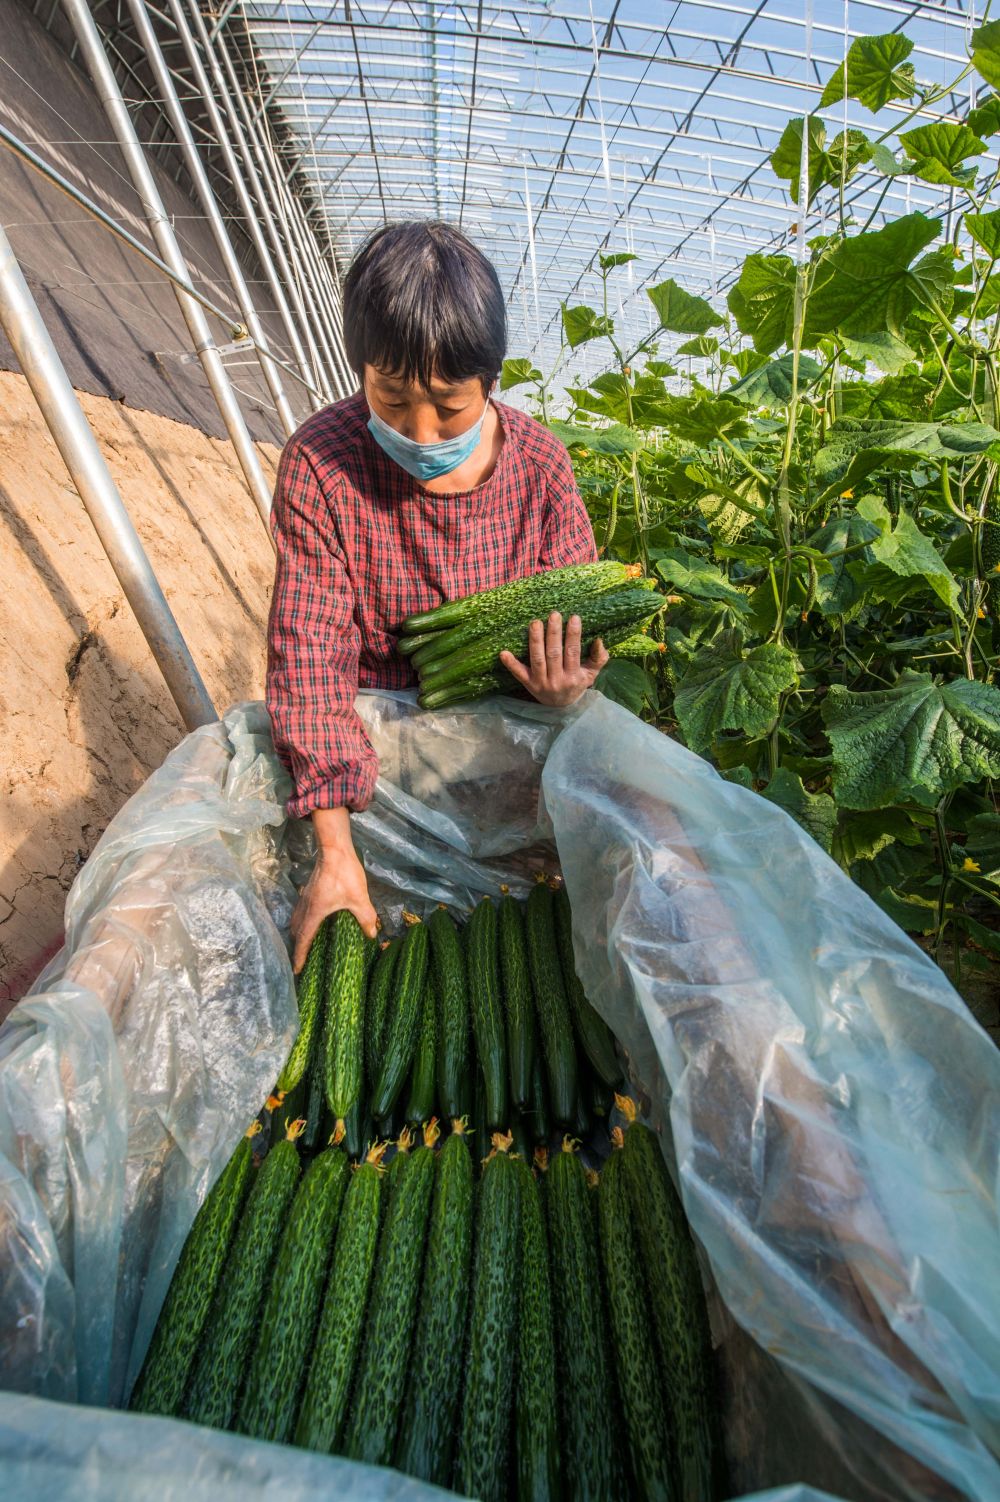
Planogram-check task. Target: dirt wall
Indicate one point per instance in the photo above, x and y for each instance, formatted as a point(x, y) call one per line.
point(86, 716)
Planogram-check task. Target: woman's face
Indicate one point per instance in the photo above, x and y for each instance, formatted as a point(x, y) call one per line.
point(445, 411)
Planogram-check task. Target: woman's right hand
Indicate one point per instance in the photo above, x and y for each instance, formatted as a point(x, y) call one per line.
point(338, 883)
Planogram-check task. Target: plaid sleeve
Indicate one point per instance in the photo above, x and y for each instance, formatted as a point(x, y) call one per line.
point(567, 535)
point(312, 651)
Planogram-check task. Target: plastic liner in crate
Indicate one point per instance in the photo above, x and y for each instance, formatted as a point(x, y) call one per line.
point(832, 1104)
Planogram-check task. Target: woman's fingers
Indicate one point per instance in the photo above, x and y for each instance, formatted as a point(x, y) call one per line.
point(553, 644)
point(599, 655)
point(571, 645)
point(516, 668)
point(305, 932)
point(536, 651)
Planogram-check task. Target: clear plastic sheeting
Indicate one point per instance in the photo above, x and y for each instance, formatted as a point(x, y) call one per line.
point(832, 1103)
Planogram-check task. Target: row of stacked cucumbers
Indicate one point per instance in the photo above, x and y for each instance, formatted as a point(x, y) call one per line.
point(538, 1334)
point(456, 647)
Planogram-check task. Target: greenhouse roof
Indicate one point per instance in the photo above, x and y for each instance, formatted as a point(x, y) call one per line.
point(552, 129)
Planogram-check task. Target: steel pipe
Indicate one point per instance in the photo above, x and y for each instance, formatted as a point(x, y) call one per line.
point(52, 390)
point(185, 140)
point(236, 172)
point(89, 39)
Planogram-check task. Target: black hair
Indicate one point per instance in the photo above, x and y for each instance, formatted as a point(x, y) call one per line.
point(421, 301)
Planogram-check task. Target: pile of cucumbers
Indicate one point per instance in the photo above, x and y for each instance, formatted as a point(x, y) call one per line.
point(538, 1334)
point(456, 647)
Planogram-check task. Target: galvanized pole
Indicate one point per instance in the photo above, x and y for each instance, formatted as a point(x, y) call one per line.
point(236, 175)
point(185, 140)
point(309, 256)
point(110, 94)
point(327, 293)
point(231, 94)
point(44, 372)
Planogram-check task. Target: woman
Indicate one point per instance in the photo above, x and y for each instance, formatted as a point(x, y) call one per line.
point(418, 489)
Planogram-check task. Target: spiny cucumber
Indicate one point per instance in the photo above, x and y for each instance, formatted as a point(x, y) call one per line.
point(482, 961)
point(310, 1001)
point(403, 1020)
point(345, 1014)
point(551, 1007)
point(536, 1437)
point(520, 1006)
point(448, 964)
point(592, 1032)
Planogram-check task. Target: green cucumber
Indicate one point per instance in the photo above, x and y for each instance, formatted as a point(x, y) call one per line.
point(549, 590)
point(538, 1115)
point(448, 964)
point(640, 1382)
point(676, 1302)
point(345, 1014)
point(402, 1025)
point(423, 1080)
point(310, 1001)
point(358, 1130)
point(551, 1006)
point(220, 1365)
point(593, 1034)
point(520, 1006)
point(585, 1385)
point(581, 1125)
point(411, 643)
point(159, 1387)
point(536, 1430)
point(341, 1326)
point(524, 1146)
point(428, 1428)
point(469, 689)
point(380, 1385)
point(380, 982)
point(482, 1131)
point(481, 1461)
point(288, 1319)
point(482, 961)
point(597, 615)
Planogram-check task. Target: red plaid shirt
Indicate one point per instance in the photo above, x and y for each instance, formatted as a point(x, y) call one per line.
point(361, 546)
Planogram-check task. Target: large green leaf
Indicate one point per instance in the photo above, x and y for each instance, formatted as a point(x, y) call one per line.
point(763, 301)
point(876, 72)
point(985, 230)
point(904, 559)
point(867, 283)
point(771, 385)
point(985, 118)
point(938, 151)
point(698, 578)
point(581, 324)
point(727, 690)
point(915, 741)
point(986, 52)
point(826, 164)
point(616, 258)
point(615, 439)
point(844, 540)
point(703, 347)
point(638, 402)
point(860, 836)
point(884, 350)
point(680, 312)
point(701, 419)
point(855, 447)
point(516, 372)
point(626, 683)
point(816, 812)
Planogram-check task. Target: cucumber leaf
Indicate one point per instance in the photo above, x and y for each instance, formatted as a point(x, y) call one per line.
point(868, 283)
point(763, 301)
point(725, 689)
point(861, 836)
point(938, 151)
point(616, 258)
point(698, 578)
point(876, 71)
point(680, 312)
point(626, 683)
point(985, 230)
point(986, 52)
point(816, 812)
point(582, 323)
point(857, 446)
point(615, 439)
point(837, 590)
point(985, 118)
point(516, 372)
point(771, 385)
point(914, 741)
point(826, 164)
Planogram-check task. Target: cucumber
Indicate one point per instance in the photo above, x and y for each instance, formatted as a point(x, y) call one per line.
point(219, 1367)
point(550, 590)
point(345, 1014)
point(487, 1012)
point(448, 964)
point(482, 1131)
point(288, 1319)
point(428, 1429)
point(538, 1115)
point(600, 1099)
point(523, 1146)
point(585, 1385)
point(517, 995)
point(310, 1000)
point(551, 1007)
point(358, 1129)
point(380, 984)
point(592, 1032)
point(338, 1339)
point(380, 1385)
point(481, 1461)
point(411, 643)
point(581, 1124)
point(423, 1080)
point(597, 615)
point(466, 691)
point(402, 1025)
point(641, 1383)
point(536, 1436)
point(677, 1306)
point(159, 1387)
point(314, 1109)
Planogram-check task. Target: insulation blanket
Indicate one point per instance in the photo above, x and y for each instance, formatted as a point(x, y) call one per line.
point(828, 1105)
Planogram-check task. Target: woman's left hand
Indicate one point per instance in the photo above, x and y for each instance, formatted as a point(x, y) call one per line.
point(554, 673)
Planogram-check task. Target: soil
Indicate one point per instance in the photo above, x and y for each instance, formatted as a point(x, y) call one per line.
point(86, 714)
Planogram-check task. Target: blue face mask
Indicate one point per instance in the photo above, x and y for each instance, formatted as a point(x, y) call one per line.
point(425, 461)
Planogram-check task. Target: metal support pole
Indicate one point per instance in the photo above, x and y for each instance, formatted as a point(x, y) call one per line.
point(161, 229)
point(327, 289)
point(309, 256)
point(236, 174)
point(231, 96)
point(185, 140)
point(44, 372)
point(303, 292)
